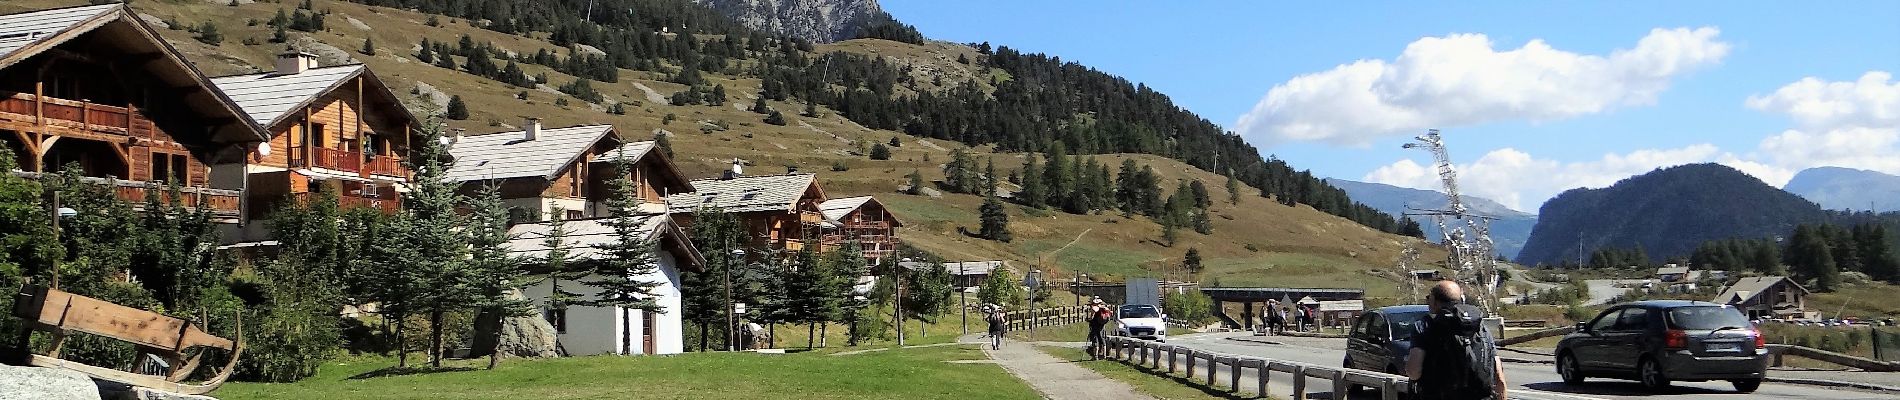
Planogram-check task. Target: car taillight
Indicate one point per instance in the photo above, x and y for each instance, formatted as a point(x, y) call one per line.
point(1675, 339)
point(1761, 341)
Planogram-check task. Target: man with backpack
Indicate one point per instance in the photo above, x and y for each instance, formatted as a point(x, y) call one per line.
point(1454, 357)
point(1099, 315)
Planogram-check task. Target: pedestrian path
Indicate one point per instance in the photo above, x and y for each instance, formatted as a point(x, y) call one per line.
point(1055, 378)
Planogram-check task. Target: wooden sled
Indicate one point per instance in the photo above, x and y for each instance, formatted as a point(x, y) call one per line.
point(60, 313)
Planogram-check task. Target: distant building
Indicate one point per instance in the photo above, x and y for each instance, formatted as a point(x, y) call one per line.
point(1768, 297)
point(778, 212)
point(963, 274)
point(1426, 274)
point(613, 330)
point(862, 219)
point(1673, 274)
point(539, 170)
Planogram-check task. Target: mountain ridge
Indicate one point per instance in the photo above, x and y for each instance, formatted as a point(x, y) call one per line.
point(1839, 188)
point(818, 21)
point(1666, 212)
point(1509, 230)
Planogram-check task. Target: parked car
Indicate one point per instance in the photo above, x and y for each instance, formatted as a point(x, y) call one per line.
point(1141, 321)
point(1382, 338)
point(1658, 341)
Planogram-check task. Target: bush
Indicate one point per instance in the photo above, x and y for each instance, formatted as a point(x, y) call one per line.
point(838, 166)
point(880, 152)
point(1191, 306)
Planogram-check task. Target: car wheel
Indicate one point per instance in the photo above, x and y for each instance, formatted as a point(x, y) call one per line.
point(1652, 375)
point(1568, 367)
point(1746, 385)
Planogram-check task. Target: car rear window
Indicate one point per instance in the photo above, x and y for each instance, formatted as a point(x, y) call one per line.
point(1404, 325)
point(1140, 312)
point(1706, 318)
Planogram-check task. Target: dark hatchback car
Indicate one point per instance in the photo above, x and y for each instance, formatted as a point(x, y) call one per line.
point(1658, 341)
point(1382, 338)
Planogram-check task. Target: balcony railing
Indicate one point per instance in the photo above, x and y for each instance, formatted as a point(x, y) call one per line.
point(347, 161)
point(222, 203)
point(386, 165)
point(77, 114)
point(387, 206)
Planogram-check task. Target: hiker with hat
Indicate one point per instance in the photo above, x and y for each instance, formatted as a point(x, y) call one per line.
point(1099, 315)
point(994, 315)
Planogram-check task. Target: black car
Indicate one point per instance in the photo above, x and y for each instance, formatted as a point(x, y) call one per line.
point(1658, 341)
point(1382, 338)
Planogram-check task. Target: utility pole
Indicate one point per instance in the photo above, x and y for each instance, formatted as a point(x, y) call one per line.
point(897, 301)
point(963, 301)
point(732, 328)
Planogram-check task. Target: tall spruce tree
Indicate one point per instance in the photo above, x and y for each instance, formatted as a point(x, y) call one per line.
point(1233, 190)
point(1033, 192)
point(995, 219)
point(1811, 259)
point(805, 288)
point(1057, 178)
point(440, 246)
point(622, 275)
point(703, 296)
point(494, 272)
point(844, 264)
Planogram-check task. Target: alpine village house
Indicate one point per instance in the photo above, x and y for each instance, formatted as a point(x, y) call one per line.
point(95, 88)
point(564, 173)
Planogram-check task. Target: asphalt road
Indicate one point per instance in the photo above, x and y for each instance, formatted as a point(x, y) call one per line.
point(1602, 290)
point(1528, 381)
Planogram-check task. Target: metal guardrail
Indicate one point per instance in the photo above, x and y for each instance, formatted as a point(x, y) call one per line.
point(1149, 355)
point(1871, 365)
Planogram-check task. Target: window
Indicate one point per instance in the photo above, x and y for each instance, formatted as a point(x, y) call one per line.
point(1633, 319)
point(1706, 317)
point(1605, 321)
point(170, 167)
point(1377, 328)
point(316, 135)
point(575, 214)
point(1404, 325)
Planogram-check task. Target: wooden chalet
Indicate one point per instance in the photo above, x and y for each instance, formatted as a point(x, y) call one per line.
point(862, 219)
point(337, 128)
point(95, 88)
point(539, 170)
point(779, 212)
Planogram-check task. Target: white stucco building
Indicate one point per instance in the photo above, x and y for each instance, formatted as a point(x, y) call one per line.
point(614, 330)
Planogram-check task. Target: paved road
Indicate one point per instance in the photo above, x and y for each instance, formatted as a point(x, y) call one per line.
point(1602, 290)
point(1528, 381)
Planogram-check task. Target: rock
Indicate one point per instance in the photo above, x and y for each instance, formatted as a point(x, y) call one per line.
point(119, 391)
point(155, 21)
point(530, 336)
point(358, 24)
point(818, 21)
point(585, 49)
point(327, 55)
point(429, 93)
point(34, 383)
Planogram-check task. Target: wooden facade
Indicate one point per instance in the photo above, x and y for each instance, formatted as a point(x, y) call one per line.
point(580, 185)
point(869, 224)
point(109, 97)
point(782, 229)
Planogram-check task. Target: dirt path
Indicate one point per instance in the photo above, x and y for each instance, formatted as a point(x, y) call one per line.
point(1057, 378)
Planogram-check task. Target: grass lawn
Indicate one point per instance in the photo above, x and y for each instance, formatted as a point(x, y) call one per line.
point(919, 373)
point(1159, 386)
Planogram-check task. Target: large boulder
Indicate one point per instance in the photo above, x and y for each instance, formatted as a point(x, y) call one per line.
point(529, 336)
point(33, 383)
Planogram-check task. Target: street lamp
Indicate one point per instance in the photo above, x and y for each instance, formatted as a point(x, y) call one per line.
point(732, 328)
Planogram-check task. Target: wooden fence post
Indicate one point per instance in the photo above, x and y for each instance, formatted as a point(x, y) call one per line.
point(1391, 389)
point(1171, 353)
point(1266, 369)
point(1213, 366)
point(1299, 382)
point(1233, 377)
point(1190, 363)
point(1340, 385)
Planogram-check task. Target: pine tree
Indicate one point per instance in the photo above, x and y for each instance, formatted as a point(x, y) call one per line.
point(426, 55)
point(664, 143)
point(494, 273)
point(805, 289)
point(1410, 227)
point(1811, 259)
point(559, 263)
point(995, 219)
point(811, 110)
point(369, 47)
point(1127, 197)
point(435, 231)
point(1192, 261)
point(719, 97)
point(278, 35)
point(208, 34)
point(916, 184)
point(843, 264)
point(1201, 199)
point(1201, 223)
point(1233, 192)
point(702, 292)
point(620, 274)
point(758, 106)
point(989, 177)
point(895, 143)
point(1058, 178)
point(776, 118)
point(457, 109)
point(1033, 191)
point(879, 152)
point(1167, 231)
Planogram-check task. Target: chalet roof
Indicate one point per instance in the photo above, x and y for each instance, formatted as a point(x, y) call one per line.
point(529, 240)
point(28, 34)
point(745, 193)
point(836, 209)
point(639, 151)
point(1749, 288)
point(271, 98)
point(510, 155)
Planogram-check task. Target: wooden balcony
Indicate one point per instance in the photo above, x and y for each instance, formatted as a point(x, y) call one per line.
point(223, 204)
point(76, 118)
point(346, 161)
point(344, 202)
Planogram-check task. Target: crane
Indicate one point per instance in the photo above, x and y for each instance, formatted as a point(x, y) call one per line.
point(1472, 250)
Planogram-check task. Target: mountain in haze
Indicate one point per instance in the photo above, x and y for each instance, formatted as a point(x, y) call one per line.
point(819, 21)
point(1837, 188)
point(1508, 231)
point(1666, 212)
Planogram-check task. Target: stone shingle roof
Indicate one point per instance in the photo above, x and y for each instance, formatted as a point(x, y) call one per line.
point(24, 29)
point(836, 209)
point(509, 155)
point(1751, 287)
point(269, 97)
point(529, 240)
point(745, 193)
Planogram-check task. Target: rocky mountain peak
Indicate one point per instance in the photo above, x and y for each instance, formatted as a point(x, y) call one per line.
point(819, 21)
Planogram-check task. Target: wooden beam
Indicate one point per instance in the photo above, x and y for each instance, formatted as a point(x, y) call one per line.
point(46, 144)
point(125, 154)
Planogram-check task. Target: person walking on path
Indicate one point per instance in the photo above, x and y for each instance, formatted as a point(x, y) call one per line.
point(998, 325)
point(1454, 357)
point(1276, 318)
point(1098, 318)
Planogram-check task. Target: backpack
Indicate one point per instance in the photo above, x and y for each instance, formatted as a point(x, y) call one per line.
point(1459, 356)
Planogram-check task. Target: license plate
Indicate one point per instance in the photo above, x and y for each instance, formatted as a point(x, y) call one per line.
point(1722, 347)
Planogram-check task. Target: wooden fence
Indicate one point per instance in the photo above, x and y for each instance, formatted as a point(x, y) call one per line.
point(1150, 355)
point(1046, 316)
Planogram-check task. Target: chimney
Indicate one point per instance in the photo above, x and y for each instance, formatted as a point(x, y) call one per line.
point(737, 169)
point(531, 130)
point(292, 62)
point(455, 135)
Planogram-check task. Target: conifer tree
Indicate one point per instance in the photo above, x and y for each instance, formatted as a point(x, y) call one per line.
point(494, 272)
point(457, 109)
point(1058, 178)
point(805, 287)
point(776, 118)
point(1192, 261)
point(1811, 259)
point(426, 55)
point(1127, 194)
point(1201, 199)
point(664, 143)
point(440, 248)
point(620, 274)
point(916, 184)
point(716, 233)
point(758, 106)
point(843, 264)
point(369, 47)
point(995, 219)
point(1033, 191)
point(1233, 191)
point(879, 152)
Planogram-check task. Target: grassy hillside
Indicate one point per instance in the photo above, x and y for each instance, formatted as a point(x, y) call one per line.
point(1255, 242)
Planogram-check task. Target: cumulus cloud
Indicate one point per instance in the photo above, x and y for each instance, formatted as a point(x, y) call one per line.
point(1461, 79)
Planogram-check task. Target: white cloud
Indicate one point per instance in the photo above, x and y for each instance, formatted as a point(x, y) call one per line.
point(1521, 181)
point(1868, 102)
point(1460, 80)
point(1842, 124)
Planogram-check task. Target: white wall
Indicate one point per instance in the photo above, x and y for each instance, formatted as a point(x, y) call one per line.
point(599, 330)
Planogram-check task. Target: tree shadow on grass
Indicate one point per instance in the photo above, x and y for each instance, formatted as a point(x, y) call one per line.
point(401, 371)
point(1184, 381)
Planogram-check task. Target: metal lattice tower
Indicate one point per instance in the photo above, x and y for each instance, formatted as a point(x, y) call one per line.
point(1470, 245)
point(1408, 281)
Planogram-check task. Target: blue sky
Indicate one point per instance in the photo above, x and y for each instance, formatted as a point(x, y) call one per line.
point(1603, 91)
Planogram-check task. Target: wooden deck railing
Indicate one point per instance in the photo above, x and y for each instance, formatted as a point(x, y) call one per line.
point(1148, 355)
point(222, 203)
point(347, 161)
point(387, 206)
point(79, 114)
